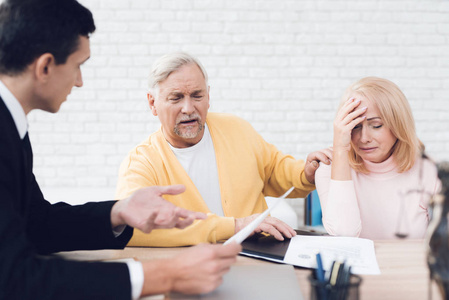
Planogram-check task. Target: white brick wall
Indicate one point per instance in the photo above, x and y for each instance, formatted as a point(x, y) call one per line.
point(282, 65)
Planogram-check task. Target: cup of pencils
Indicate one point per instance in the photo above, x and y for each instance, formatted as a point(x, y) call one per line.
point(338, 284)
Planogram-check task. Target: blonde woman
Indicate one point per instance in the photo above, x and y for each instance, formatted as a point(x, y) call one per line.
point(379, 183)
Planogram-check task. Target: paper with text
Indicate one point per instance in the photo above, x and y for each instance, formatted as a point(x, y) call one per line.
point(358, 253)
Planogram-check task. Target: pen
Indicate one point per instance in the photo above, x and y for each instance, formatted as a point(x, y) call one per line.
point(319, 269)
point(334, 279)
point(345, 281)
point(320, 277)
point(334, 273)
point(328, 275)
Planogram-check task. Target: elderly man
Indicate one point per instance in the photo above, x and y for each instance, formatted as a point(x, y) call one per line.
point(227, 166)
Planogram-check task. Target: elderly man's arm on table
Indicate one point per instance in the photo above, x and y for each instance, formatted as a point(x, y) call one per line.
point(210, 230)
point(274, 226)
point(281, 172)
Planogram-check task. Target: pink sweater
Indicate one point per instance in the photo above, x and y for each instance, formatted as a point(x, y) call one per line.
point(370, 205)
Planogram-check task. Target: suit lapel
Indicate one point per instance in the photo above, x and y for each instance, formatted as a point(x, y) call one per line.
point(19, 154)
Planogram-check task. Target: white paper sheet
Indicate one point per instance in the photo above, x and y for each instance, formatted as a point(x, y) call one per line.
point(358, 253)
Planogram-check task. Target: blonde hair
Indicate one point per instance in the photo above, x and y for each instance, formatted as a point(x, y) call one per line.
point(396, 114)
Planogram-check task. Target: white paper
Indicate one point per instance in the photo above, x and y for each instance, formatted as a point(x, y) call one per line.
point(358, 253)
point(240, 236)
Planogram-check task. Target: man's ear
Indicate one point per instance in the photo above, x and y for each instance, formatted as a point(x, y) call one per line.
point(151, 103)
point(44, 67)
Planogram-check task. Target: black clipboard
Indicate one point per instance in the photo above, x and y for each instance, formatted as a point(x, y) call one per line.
point(267, 247)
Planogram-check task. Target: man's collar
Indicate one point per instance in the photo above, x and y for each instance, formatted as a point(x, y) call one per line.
point(15, 109)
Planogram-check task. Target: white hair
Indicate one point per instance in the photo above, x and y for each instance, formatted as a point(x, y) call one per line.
point(167, 64)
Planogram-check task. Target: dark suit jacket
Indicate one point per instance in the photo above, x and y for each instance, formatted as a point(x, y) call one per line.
point(31, 228)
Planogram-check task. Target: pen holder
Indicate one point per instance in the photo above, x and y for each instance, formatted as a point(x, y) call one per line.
point(325, 291)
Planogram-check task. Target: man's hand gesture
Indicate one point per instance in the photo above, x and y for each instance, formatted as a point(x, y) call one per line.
point(147, 210)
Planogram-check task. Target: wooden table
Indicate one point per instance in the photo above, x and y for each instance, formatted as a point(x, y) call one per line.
point(404, 272)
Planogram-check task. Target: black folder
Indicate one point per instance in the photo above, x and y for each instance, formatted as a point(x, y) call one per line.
point(267, 247)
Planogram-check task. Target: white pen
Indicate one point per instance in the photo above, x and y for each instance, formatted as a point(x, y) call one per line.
point(240, 236)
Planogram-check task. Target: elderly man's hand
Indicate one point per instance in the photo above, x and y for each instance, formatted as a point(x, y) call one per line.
point(313, 160)
point(270, 225)
point(147, 210)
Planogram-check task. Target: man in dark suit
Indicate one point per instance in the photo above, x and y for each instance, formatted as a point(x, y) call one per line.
point(43, 44)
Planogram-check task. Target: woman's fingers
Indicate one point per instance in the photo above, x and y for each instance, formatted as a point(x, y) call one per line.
point(348, 113)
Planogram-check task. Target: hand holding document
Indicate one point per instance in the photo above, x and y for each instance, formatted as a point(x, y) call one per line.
point(240, 236)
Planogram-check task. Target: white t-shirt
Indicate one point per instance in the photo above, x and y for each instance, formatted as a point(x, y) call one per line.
point(201, 166)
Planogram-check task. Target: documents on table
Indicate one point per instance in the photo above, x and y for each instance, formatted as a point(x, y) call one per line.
point(358, 253)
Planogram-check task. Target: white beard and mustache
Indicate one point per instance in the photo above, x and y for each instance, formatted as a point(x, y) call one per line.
point(187, 132)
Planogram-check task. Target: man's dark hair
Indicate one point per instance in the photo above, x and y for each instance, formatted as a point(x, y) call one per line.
point(30, 28)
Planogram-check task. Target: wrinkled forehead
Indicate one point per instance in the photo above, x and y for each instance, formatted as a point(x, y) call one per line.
point(186, 77)
point(186, 80)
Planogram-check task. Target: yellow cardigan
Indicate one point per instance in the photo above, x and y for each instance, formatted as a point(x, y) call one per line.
point(249, 169)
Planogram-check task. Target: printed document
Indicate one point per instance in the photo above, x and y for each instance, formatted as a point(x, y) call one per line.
point(358, 253)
